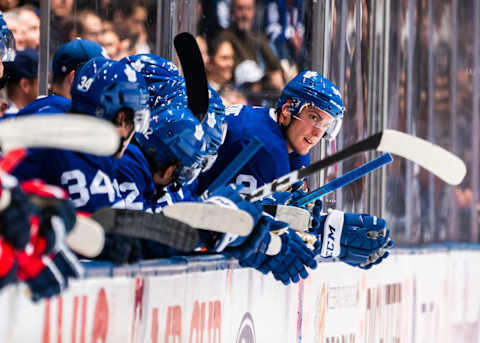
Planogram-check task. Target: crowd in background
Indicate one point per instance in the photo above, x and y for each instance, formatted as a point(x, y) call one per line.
point(251, 48)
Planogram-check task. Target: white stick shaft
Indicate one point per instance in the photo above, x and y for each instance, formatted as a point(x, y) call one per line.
point(63, 131)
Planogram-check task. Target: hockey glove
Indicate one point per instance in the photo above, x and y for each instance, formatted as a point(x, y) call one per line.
point(253, 252)
point(283, 198)
point(8, 264)
point(229, 196)
point(289, 265)
point(47, 274)
point(359, 240)
point(15, 217)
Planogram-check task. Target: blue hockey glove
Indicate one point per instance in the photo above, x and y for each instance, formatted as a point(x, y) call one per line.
point(253, 250)
point(60, 209)
point(289, 265)
point(283, 198)
point(229, 196)
point(15, 218)
point(359, 240)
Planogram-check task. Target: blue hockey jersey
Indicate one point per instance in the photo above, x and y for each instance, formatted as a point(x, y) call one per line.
point(89, 179)
point(135, 181)
point(269, 163)
point(49, 104)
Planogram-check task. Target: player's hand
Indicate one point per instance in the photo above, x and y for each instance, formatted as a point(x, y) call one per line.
point(15, 217)
point(360, 240)
point(47, 273)
point(294, 192)
point(253, 250)
point(229, 196)
point(289, 265)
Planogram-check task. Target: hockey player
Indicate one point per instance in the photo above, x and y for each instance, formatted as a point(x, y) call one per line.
point(170, 138)
point(67, 59)
point(109, 90)
point(310, 108)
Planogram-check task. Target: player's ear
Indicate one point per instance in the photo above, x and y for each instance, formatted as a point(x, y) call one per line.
point(164, 177)
point(284, 116)
point(70, 77)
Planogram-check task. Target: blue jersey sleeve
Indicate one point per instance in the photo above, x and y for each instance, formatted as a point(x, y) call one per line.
point(135, 181)
point(269, 163)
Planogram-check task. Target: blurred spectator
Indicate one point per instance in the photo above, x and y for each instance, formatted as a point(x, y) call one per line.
point(6, 5)
point(220, 63)
point(31, 23)
point(15, 25)
point(62, 23)
point(62, 8)
point(215, 17)
point(232, 96)
point(202, 45)
point(90, 26)
point(111, 44)
point(248, 76)
point(22, 84)
point(249, 45)
point(283, 22)
point(129, 19)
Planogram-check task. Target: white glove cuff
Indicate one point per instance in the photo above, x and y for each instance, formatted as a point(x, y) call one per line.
point(332, 232)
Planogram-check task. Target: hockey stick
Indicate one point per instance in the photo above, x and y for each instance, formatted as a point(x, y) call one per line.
point(140, 224)
point(63, 131)
point(343, 180)
point(232, 169)
point(435, 159)
point(298, 218)
point(194, 73)
point(177, 219)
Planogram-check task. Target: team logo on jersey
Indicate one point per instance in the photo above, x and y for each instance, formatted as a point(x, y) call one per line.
point(137, 65)
point(246, 332)
point(211, 119)
point(131, 75)
point(310, 74)
point(85, 84)
point(233, 109)
point(198, 132)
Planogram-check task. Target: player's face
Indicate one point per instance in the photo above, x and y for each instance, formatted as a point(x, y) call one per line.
point(306, 129)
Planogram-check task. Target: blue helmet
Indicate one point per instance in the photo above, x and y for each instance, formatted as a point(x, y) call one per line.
point(7, 42)
point(102, 87)
point(161, 75)
point(214, 126)
point(309, 87)
point(175, 134)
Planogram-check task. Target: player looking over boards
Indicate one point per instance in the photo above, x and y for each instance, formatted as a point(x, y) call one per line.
point(112, 91)
point(309, 108)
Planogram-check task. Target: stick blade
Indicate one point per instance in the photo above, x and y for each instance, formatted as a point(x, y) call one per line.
point(447, 166)
point(87, 237)
point(75, 132)
point(211, 217)
point(194, 73)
